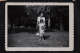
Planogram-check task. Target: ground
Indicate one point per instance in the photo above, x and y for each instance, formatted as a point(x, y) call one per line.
point(26, 39)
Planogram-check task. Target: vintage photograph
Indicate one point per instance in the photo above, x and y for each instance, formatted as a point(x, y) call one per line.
point(39, 26)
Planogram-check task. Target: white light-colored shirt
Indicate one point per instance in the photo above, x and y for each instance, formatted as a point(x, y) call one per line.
point(41, 20)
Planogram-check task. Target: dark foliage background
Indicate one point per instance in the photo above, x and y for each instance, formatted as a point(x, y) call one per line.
point(27, 16)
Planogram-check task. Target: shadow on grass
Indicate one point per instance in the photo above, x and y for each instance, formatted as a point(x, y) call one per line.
point(46, 37)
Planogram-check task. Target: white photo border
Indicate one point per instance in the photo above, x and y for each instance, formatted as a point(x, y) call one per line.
point(71, 27)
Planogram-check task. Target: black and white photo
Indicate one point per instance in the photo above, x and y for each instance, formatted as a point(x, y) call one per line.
point(39, 26)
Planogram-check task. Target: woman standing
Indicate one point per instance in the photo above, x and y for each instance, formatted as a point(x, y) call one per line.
point(41, 25)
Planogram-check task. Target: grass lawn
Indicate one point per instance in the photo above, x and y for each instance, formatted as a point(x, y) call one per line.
point(26, 39)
